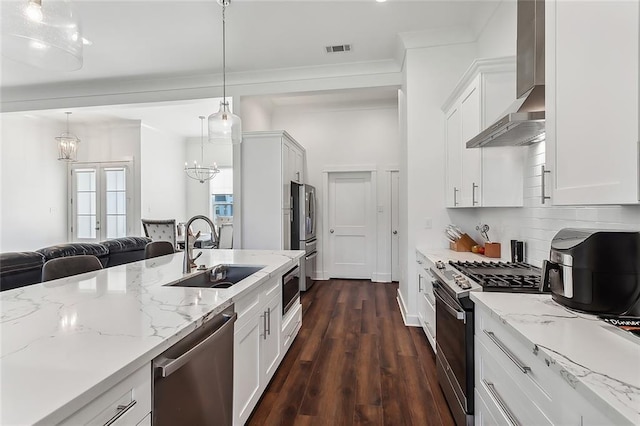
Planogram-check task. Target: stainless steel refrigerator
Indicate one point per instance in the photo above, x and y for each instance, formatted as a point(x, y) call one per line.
point(303, 230)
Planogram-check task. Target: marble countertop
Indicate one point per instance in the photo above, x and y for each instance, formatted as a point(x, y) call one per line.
point(591, 356)
point(65, 342)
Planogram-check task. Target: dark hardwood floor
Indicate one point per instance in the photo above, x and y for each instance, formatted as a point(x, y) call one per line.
point(354, 362)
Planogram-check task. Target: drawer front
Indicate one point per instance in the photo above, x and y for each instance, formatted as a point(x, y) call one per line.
point(248, 306)
point(271, 287)
point(291, 326)
point(497, 388)
point(485, 414)
point(127, 403)
point(517, 359)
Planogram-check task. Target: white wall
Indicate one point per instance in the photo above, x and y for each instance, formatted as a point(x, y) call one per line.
point(34, 200)
point(114, 140)
point(256, 114)
point(365, 134)
point(33, 184)
point(431, 74)
point(498, 38)
point(198, 194)
point(162, 157)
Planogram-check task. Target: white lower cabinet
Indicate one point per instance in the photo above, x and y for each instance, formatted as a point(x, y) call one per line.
point(426, 299)
point(514, 385)
point(270, 343)
point(258, 345)
point(291, 324)
point(127, 403)
point(246, 368)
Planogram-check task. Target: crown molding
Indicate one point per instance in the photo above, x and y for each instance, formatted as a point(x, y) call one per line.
point(482, 65)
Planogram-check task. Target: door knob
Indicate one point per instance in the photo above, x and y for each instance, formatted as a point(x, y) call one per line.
point(395, 232)
point(331, 230)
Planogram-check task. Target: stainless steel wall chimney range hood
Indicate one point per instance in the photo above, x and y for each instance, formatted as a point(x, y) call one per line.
point(524, 122)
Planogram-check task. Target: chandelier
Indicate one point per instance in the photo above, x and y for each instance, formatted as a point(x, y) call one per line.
point(68, 144)
point(224, 126)
point(200, 172)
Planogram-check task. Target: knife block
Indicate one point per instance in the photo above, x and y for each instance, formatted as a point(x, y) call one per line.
point(463, 244)
point(492, 250)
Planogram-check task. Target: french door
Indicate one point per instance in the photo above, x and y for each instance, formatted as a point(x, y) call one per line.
point(100, 204)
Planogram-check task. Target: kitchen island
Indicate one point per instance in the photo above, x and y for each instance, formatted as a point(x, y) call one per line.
point(65, 342)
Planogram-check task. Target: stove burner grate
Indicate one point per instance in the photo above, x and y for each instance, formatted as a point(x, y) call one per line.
point(517, 277)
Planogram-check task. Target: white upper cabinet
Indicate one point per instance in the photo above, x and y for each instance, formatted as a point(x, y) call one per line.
point(482, 177)
point(592, 101)
point(454, 157)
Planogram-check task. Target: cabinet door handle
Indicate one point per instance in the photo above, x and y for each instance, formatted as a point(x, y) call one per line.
point(494, 394)
point(419, 283)
point(455, 196)
point(269, 321)
point(544, 195)
point(507, 352)
point(264, 324)
point(121, 409)
point(473, 193)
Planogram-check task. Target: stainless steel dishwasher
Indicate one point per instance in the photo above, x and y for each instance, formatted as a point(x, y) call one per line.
point(193, 379)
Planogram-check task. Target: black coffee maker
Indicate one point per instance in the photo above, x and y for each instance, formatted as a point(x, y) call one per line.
point(595, 271)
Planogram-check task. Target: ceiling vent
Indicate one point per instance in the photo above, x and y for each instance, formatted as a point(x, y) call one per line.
point(338, 48)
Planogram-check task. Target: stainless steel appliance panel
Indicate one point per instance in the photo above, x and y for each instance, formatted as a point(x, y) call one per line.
point(308, 212)
point(290, 289)
point(454, 331)
point(310, 271)
point(193, 379)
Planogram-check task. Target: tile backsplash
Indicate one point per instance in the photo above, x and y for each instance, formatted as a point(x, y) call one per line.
point(537, 223)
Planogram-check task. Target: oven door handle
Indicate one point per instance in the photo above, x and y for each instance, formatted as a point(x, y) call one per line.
point(453, 311)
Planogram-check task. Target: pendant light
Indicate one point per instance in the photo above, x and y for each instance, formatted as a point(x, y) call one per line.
point(42, 33)
point(200, 172)
point(68, 144)
point(224, 126)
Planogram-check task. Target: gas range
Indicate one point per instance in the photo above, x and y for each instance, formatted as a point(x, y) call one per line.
point(509, 277)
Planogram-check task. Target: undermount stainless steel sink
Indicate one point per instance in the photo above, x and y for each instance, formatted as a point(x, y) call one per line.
point(219, 276)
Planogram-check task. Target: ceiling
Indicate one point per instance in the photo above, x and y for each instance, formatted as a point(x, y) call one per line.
point(155, 39)
point(143, 39)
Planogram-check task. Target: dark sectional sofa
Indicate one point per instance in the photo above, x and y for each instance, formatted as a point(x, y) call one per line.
point(18, 269)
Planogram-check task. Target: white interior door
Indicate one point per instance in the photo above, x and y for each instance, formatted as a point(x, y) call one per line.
point(351, 208)
point(395, 225)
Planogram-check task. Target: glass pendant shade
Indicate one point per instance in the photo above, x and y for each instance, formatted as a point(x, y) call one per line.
point(42, 33)
point(68, 145)
point(225, 128)
point(200, 172)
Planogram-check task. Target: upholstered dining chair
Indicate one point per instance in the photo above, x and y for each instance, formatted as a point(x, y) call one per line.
point(225, 238)
point(158, 248)
point(160, 230)
point(61, 267)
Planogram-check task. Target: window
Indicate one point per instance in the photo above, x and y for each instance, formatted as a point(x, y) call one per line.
point(222, 205)
point(222, 196)
point(99, 201)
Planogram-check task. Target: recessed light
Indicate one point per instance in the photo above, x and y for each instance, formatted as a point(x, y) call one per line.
point(86, 42)
point(381, 1)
